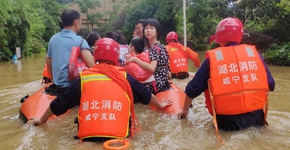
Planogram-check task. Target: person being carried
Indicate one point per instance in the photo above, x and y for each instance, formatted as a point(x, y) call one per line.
point(158, 55)
point(136, 49)
point(235, 80)
point(178, 55)
point(100, 109)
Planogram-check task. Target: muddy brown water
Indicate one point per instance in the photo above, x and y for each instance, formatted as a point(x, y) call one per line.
point(158, 131)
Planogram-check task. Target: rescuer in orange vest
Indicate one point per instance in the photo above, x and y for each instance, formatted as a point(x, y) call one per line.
point(107, 109)
point(178, 55)
point(235, 80)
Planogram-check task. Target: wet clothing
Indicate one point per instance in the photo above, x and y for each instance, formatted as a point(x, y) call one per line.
point(70, 97)
point(240, 122)
point(180, 75)
point(227, 122)
point(159, 53)
point(59, 49)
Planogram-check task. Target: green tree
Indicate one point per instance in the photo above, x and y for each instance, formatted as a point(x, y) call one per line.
point(5, 9)
point(89, 7)
point(51, 17)
point(164, 11)
point(201, 20)
point(254, 12)
point(64, 1)
point(27, 24)
point(15, 27)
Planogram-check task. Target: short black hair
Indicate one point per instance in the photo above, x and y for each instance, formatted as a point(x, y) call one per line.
point(115, 36)
point(155, 23)
point(92, 37)
point(68, 17)
point(142, 21)
point(138, 44)
point(122, 38)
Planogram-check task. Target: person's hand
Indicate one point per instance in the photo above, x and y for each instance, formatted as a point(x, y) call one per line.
point(183, 114)
point(130, 59)
point(166, 102)
point(35, 121)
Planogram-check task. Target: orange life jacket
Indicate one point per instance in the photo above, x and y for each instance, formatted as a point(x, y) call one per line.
point(177, 58)
point(105, 107)
point(46, 75)
point(238, 80)
point(45, 72)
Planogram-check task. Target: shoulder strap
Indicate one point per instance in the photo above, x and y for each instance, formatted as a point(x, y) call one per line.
point(82, 43)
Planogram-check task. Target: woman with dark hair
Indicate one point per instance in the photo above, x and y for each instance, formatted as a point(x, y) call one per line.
point(123, 47)
point(158, 55)
point(122, 38)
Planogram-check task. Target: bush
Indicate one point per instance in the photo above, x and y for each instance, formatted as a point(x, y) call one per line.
point(33, 46)
point(84, 33)
point(213, 45)
point(200, 47)
point(189, 43)
point(278, 55)
point(260, 40)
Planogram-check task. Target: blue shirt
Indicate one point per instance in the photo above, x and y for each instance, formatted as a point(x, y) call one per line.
point(59, 50)
point(200, 81)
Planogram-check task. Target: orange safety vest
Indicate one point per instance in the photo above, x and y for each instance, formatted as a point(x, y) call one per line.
point(177, 58)
point(238, 80)
point(105, 108)
point(45, 72)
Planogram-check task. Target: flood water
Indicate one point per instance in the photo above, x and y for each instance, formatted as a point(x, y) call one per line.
point(158, 131)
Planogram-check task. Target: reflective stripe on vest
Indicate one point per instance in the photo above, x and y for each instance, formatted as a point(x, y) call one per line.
point(219, 55)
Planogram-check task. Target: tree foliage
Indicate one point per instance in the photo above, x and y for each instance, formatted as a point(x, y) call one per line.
point(164, 11)
point(27, 24)
point(201, 20)
point(30, 23)
point(89, 7)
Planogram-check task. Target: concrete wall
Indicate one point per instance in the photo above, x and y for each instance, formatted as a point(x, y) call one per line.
point(105, 6)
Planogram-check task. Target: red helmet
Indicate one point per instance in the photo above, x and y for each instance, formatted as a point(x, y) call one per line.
point(172, 36)
point(107, 49)
point(229, 30)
